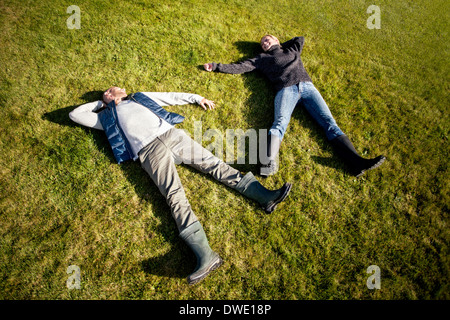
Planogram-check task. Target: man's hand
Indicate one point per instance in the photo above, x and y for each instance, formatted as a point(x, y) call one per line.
point(205, 103)
point(208, 66)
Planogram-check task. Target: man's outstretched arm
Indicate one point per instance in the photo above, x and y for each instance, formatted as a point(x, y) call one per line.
point(179, 98)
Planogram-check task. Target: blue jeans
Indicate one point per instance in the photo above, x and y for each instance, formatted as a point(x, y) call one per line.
point(305, 92)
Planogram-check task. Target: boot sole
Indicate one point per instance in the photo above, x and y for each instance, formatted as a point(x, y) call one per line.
point(213, 266)
point(271, 207)
point(376, 165)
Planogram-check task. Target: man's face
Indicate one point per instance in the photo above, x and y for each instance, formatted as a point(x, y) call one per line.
point(268, 41)
point(114, 93)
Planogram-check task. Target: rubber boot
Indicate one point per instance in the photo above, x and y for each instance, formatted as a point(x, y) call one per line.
point(273, 147)
point(268, 199)
point(207, 259)
point(357, 164)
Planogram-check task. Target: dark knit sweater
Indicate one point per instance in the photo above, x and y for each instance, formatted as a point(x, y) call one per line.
point(282, 65)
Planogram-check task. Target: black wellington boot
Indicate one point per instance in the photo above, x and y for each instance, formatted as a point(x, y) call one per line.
point(207, 259)
point(268, 199)
point(273, 147)
point(357, 164)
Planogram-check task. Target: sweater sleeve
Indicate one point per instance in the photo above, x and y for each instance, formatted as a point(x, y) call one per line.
point(236, 68)
point(295, 44)
point(86, 115)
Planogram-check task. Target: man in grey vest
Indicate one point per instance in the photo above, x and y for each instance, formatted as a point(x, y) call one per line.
point(138, 127)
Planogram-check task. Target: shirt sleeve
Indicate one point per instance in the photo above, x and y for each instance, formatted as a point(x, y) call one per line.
point(86, 115)
point(173, 98)
point(236, 68)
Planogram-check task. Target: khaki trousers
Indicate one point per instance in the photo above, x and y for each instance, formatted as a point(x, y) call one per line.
point(158, 159)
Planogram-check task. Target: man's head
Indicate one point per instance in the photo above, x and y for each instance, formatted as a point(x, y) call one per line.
point(268, 41)
point(114, 93)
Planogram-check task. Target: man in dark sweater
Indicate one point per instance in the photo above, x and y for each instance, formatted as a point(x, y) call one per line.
point(282, 65)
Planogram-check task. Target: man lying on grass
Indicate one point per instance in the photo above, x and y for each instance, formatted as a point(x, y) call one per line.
point(137, 127)
point(282, 65)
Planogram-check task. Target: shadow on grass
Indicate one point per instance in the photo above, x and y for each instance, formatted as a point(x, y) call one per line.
point(176, 263)
point(61, 116)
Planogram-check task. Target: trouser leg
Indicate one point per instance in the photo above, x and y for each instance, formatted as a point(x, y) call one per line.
point(284, 104)
point(158, 161)
point(193, 154)
point(316, 106)
point(180, 148)
point(190, 152)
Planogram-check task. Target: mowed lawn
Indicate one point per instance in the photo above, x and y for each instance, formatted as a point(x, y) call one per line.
point(65, 202)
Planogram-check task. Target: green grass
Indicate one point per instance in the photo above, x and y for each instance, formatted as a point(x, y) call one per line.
point(63, 200)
